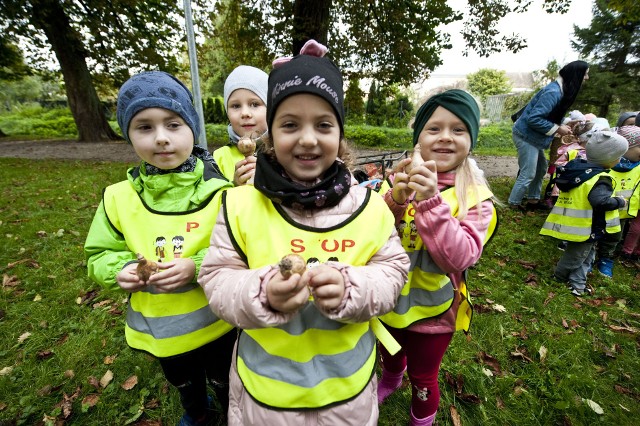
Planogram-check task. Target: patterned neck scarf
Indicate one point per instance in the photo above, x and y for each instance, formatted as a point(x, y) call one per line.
point(272, 180)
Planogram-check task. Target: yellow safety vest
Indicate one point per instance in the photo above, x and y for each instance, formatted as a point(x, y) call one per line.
point(429, 292)
point(571, 218)
point(627, 186)
point(226, 157)
point(311, 361)
point(165, 324)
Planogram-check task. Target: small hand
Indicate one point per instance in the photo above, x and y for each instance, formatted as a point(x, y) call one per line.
point(401, 191)
point(128, 279)
point(287, 295)
point(245, 169)
point(173, 275)
point(563, 130)
point(327, 286)
point(424, 180)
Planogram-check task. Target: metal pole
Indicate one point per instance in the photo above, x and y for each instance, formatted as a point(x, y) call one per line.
point(195, 79)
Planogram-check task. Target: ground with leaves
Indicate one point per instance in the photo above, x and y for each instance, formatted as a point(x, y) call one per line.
point(536, 355)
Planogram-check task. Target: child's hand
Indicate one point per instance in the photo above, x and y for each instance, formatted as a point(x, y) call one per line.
point(245, 169)
point(401, 191)
point(327, 286)
point(624, 202)
point(128, 279)
point(423, 179)
point(173, 275)
point(287, 295)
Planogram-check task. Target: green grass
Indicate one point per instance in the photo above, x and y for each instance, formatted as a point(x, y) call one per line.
point(76, 329)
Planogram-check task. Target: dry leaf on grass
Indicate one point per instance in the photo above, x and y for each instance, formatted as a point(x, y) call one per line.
point(109, 359)
point(90, 401)
point(593, 405)
point(10, 281)
point(106, 379)
point(543, 353)
point(23, 337)
point(455, 417)
point(130, 383)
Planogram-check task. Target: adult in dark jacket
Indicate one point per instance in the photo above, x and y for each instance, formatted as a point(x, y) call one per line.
point(535, 127)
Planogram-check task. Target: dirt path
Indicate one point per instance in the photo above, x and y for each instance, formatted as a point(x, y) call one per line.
point(122, 152)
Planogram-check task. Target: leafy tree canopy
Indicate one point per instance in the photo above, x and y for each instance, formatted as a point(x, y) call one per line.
point(487, 82)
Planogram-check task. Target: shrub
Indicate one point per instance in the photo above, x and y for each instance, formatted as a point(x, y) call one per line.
point(382, 137)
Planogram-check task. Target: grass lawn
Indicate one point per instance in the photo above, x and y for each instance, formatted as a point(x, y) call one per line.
point(536, 355)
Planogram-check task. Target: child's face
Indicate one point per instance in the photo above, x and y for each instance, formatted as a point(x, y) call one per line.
point(633, 154)
point(161, 138)
point(246, 112)
point(629, 121)
point(306, 136)
point(444, 139)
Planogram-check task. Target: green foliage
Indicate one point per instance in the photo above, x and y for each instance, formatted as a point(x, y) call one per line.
point(495, 140)
point(383, 137)
point(12, 66)
point(353, 101)
point(40, 122)
point(214, 110)
point(487, 82)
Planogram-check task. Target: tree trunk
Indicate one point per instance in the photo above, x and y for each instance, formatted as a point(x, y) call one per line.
point(310, 21)
point(84, 103)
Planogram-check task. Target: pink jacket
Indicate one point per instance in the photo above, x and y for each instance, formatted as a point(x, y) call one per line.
point(454, 245)
point(238, 295)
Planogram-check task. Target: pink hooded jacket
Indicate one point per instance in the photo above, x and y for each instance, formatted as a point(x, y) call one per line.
point(454, 245)
point(238, 295)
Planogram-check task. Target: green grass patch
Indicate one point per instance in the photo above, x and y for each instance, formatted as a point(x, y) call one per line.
point(61, 333)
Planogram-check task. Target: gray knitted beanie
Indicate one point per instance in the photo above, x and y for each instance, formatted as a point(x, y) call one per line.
point(155, 89)
point(246, 77)
point(605, 147)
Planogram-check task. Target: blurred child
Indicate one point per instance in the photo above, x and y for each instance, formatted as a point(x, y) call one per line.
point(245, 100)
point(627, 119)
point(174, 188)
point(627, 176)
point(445, 196)
point(586, 208)
point(307, 353)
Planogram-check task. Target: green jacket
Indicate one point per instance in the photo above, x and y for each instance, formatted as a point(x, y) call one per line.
point(106, 250)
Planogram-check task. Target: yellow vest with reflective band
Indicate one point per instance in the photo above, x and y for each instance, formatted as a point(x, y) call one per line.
point(571, 218)
point(628, 187)
point(226, 157)
point(165, 324)
point(311, 361)
point(429, 291)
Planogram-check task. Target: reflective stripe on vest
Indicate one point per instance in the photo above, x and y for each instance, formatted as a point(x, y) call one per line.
point(165, 324)
point(571, 218)
point(429, 291)
point(311, 361)
point(627, 186)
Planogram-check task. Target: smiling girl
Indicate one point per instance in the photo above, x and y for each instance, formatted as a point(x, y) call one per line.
point(447, 198)
point(307, 353)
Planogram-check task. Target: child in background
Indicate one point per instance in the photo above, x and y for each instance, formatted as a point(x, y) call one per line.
point(450, 201)
point(586, 208)
point(245, 100)
point(174, 188)
point(307, 353)
point(627, 119)
point(627, 176)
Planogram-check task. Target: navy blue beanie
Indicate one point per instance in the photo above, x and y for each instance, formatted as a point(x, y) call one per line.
point(155, 89)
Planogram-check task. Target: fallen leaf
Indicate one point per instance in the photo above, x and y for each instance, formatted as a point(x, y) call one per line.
point(44, 391)
point(549, 298)
point(106, 379)
point(32, 263)
point(23, 337)
point(526, 264)
point(69, 374)
point(60, 233)
point(487, 372)
point(10, 281)
point(37, 298)
point(455, 417)
point(593, 405)
point(604, 315)
point(543, 353)
point(130, 383)
point(89, 401)
point(46, 354)
point(6, 371)
point(93, 381)
point(499, 308)
point(109, 359)
point(626, 328)
point(41, 234)
point(624, 408)
point(499, 403)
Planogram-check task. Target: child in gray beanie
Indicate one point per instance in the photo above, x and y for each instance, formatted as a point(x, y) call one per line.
point(586, 209)
point(172, 196)
point(245, 100)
